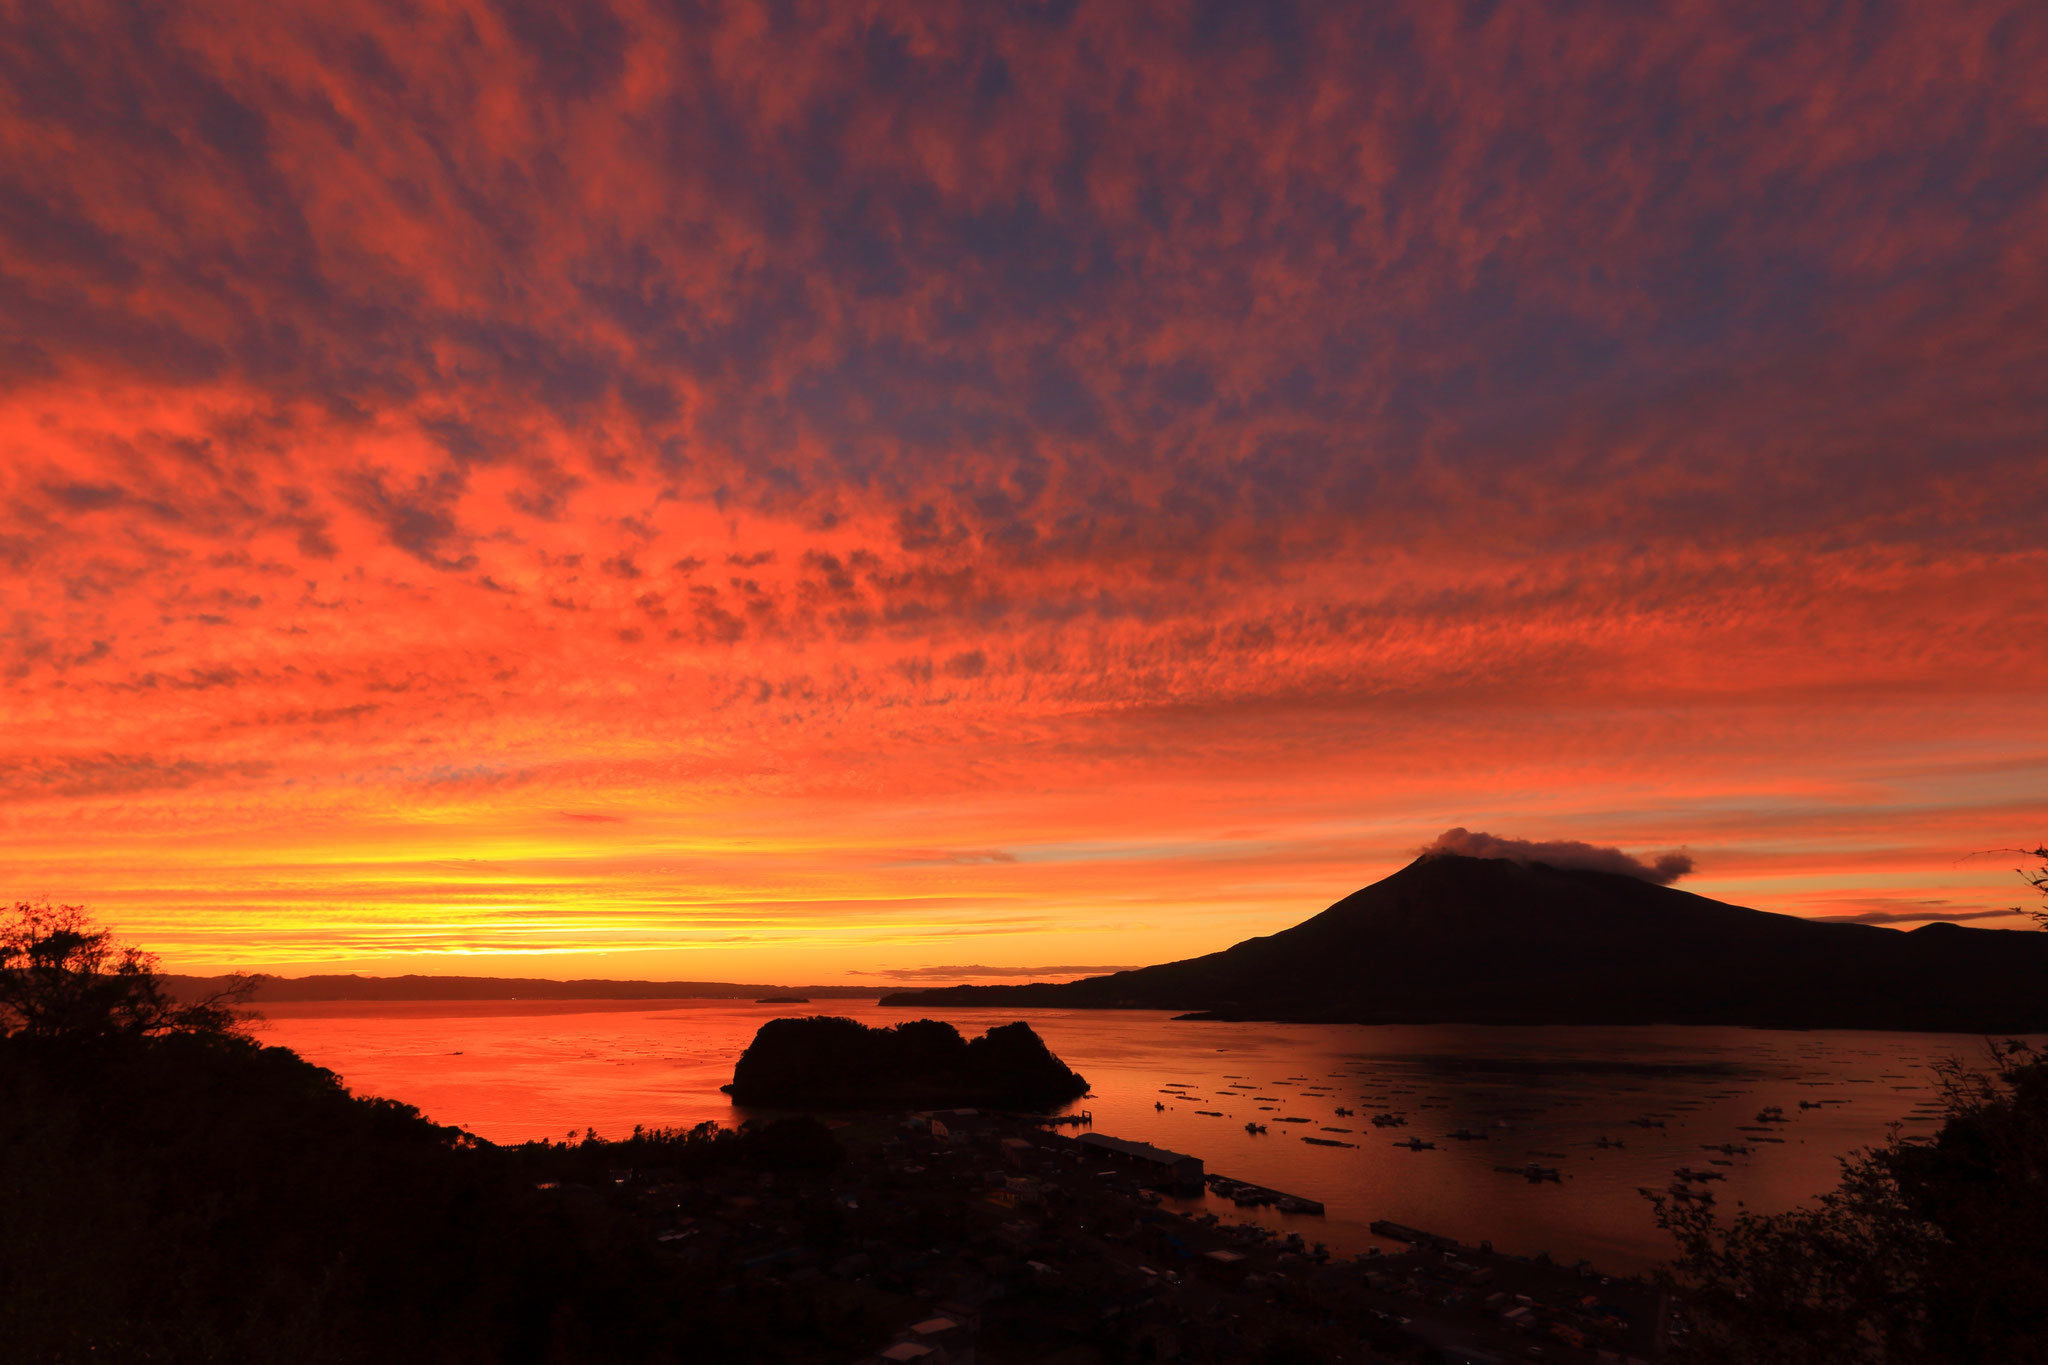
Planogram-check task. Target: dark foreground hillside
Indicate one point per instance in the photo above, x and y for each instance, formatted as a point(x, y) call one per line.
point(192, 1198)
point(196, 1200)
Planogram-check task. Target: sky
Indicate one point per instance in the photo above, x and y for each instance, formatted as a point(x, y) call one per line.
point(855, 492)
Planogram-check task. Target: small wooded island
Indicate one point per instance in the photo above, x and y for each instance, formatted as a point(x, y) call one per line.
point(836, 1062)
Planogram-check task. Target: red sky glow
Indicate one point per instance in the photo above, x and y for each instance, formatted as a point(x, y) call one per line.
point(817, 493)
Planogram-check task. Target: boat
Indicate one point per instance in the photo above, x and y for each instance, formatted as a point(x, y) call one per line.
point(1342, 1112)
point(1533, 1173)
point(1326, 1142)
point(1389, 1121)
point(1416, 1144)
point(1606, 1142)
point(1255, 1127)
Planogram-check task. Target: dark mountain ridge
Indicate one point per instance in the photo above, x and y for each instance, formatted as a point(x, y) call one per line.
point(352, 987)
point(1457, 939)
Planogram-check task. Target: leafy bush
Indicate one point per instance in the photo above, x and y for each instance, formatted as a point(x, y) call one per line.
point(1928, 1252)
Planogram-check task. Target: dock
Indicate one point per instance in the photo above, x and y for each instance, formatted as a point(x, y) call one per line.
point(1401, 1232)
point(1171, 1170)
point(1245, 1192)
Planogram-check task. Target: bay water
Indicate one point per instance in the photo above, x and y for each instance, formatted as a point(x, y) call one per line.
point(1612, 1110)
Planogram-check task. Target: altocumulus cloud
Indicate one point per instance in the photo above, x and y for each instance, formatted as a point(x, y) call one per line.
point(1032, 424)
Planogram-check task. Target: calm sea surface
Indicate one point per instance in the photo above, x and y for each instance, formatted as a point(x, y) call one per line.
point(511, 1070)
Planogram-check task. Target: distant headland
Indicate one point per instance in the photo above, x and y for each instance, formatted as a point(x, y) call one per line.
point(281, 989)
point(1452, 938)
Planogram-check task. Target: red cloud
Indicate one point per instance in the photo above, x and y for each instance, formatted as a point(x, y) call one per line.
point(1252, 405)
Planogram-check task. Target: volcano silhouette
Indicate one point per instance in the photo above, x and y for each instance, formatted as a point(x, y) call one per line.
point(1484, 940)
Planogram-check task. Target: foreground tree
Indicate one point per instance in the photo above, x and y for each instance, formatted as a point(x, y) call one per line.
point(1927, 1252)
point(2037, 877)
point(64, 978)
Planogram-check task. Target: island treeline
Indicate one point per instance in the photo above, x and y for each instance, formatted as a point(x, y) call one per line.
point(829, 1062)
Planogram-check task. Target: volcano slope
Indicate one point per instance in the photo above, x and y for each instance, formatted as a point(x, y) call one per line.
point(1484, 940)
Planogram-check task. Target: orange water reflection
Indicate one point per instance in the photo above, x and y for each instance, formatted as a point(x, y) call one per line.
point(513, 1070)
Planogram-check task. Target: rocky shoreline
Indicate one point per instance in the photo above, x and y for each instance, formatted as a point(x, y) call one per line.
point(985, 1237)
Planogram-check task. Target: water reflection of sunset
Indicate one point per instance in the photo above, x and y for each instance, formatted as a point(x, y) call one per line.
point(702, 498)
